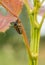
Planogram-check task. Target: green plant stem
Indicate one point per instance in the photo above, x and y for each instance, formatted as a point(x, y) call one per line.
point(35, 38)
point(34, 44)
point(35, 31)
point(42, 21)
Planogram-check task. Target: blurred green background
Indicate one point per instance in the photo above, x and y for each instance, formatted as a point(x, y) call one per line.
point(12, 48)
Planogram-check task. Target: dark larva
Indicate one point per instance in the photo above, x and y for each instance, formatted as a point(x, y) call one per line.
point(17, 26)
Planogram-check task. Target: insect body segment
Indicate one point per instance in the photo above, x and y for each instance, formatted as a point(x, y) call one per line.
point(17, 26)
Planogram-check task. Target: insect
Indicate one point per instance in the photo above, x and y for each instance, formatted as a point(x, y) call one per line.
point(17, 26)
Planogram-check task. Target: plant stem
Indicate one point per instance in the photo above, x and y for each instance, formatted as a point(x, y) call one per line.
point(26, 41)
point(42, 20)
point(34, 45)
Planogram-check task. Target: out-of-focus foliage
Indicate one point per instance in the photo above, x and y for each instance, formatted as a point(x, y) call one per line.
point(12, 48)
